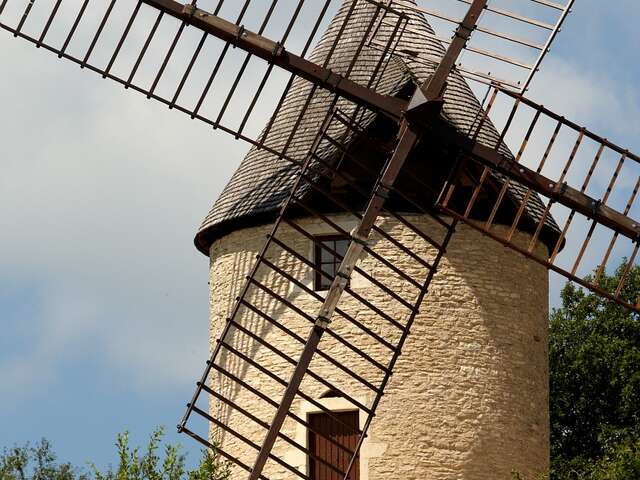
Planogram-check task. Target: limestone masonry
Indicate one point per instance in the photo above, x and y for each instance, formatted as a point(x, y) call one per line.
point(469, 396)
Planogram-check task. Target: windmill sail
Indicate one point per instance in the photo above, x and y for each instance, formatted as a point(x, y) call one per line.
point(266, 331)
point(587, 181)
point(509, 43)
point(185, 57)
point(177, 55)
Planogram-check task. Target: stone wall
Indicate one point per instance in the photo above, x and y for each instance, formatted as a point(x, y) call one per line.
point(469, 395)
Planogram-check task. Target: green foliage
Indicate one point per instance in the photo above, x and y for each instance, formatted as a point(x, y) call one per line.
point(35, 463)
point(594, 355)
point(211, 468)
point(39, 463)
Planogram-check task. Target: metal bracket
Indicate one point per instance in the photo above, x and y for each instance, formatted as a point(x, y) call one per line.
point(464, 32)
point(595, 206)
point(189, 10)
point(383, 191)
point(332, 80)
point(322, 322)
point(241, 32)
point(278, 49)
point(561, 188)
point(357, 240)
point(421, 110)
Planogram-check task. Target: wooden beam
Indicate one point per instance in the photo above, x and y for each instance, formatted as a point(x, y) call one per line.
point(275, 53)
point(434, 88)
point(559, 192)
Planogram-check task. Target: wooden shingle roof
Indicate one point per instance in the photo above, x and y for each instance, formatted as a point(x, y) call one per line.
point(262, 181)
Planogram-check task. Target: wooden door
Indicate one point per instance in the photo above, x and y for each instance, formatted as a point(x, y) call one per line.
point(344, 433)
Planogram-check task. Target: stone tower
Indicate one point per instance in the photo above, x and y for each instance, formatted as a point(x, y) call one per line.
point(469, 396)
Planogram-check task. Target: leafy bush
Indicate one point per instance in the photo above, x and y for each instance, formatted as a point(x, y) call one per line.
point(39, 463)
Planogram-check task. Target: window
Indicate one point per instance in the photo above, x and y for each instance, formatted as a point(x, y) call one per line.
point(326, 260)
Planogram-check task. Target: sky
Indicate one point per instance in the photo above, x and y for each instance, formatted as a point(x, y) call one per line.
point(103, 297)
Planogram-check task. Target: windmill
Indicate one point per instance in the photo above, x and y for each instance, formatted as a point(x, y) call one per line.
point(372, 167)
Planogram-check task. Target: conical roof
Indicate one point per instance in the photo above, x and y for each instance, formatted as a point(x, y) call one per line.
point(263, 180)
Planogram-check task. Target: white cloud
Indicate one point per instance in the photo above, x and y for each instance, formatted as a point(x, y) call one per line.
point(100, 196)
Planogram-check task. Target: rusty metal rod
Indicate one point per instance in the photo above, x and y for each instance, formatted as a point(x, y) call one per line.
point(145, 47)
point(244, 65)
point(627, 267)
point(221, 57)
point(23, 19)
point(527, 195)
point(167, 57)
point(105, 18)
point(124, 36)
point(543, 219)
point(615, 235)
point(612, 182)
point(507, 181)
point(73, 29)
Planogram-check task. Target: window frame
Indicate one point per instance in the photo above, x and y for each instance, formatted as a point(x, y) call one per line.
point(318, 241)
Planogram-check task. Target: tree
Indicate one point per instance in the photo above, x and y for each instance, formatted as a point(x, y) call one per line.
point(35, 463)
point(39, 463)
point(594, 354)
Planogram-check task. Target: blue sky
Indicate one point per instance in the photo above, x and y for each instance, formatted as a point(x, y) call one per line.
point(103, 298)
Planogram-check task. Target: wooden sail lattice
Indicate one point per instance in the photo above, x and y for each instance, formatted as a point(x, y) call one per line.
point(201, 58)
point(510, 41)
point(587, 182)
point(151, 48)
point(268, 321)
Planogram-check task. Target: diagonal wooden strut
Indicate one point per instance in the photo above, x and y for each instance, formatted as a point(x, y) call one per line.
point(308, 177)
point(359, 238)
point(409, 136)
